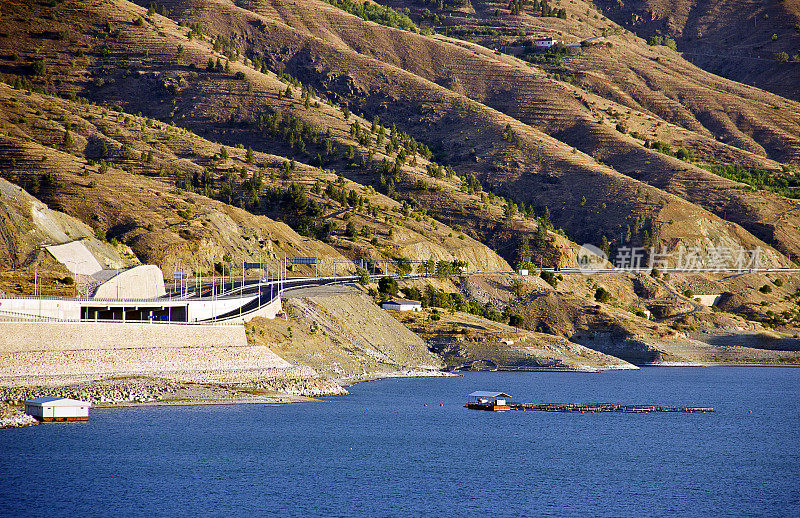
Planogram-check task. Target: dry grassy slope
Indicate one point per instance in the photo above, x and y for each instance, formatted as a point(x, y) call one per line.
point(341, 70)
point(178, 152)
point(402, 96)
point(206, 100)
point(470, 342)
point(652, 79)
point(658, 81)
point(140, 211)
point(728, 37)
point(685, 331)
point(653, 91)
point(342, 334)
point(28, 224)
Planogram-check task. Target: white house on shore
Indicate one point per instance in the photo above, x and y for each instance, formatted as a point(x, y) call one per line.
point(402, 305)
point(51, 408)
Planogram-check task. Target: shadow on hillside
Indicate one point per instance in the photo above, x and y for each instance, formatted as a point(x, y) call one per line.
point(756, 341)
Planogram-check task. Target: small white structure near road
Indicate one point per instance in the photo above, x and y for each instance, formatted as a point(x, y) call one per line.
point(544, 43)
point(402, 305)
point(51, 408)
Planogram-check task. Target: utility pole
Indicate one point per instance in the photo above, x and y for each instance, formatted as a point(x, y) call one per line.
point(241, 291)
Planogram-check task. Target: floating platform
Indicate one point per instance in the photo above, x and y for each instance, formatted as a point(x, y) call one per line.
point(604, 407)
point(491, 406)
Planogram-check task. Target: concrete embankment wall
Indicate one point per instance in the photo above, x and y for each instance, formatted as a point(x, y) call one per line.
point(47, 353)
point(68, 336)
point(46, 308)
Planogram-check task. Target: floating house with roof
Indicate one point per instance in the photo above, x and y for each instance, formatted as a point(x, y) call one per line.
point(51, 408)
point(486, 400)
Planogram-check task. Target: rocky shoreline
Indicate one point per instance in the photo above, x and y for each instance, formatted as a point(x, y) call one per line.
point(14, 417)
point(135, 391)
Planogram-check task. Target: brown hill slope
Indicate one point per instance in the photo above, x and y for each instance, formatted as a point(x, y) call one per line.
point(651, 92)
point(212, 100)
point(538, 170)
point(652, 79)
point(430, 57)
point(166, 226)
point(738, 39)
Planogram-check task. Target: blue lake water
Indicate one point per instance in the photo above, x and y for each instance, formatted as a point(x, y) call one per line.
point(380, 451)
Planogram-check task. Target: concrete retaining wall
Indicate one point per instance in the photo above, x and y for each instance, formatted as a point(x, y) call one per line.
point(49, 308)
point(206, 309)
point(140, 282)
point(270, 311)
point(71, 336)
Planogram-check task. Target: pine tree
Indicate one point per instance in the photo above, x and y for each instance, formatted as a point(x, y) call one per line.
point(604, 245)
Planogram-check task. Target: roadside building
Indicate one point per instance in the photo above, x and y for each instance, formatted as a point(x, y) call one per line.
point(544, 43)
point(402, 305)
point(51, 408)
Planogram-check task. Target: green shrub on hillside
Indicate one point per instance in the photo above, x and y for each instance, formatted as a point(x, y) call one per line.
point(383, 15)
point(602, 295)
point(549, 278)
point(654, 41)
point(39, 68)
point(781, 57)
point(387, 286)
point(780, 183)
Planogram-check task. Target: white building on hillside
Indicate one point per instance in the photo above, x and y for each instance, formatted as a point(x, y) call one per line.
point(544, 43)
point(402, 305)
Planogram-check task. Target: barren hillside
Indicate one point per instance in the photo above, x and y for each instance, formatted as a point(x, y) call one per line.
point(738, 39)
point(130, 197)
point(458, 113)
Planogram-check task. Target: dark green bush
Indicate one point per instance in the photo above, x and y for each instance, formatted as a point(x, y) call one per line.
point(387, 286)
point(602, 295)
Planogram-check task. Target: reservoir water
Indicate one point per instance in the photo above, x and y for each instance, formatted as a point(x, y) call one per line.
point(381, 452)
